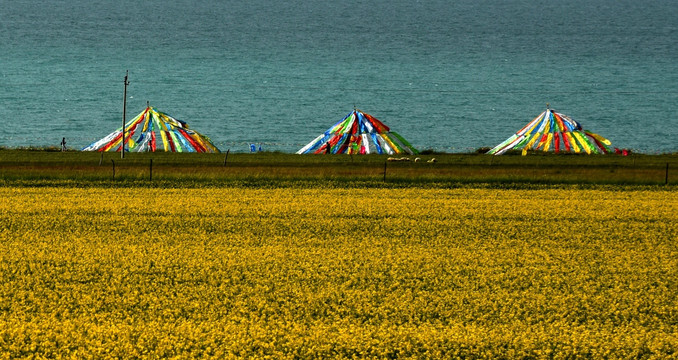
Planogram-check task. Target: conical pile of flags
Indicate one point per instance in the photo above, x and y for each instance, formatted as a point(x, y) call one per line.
point(359, 133)
point(554, 131)
point(153, 130)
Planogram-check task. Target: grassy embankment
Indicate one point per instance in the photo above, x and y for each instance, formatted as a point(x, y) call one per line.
point(22, 166)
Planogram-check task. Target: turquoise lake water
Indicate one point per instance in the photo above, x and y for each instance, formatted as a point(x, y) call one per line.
point(447, 75)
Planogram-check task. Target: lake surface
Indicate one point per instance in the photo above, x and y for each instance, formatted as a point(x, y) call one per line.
point(447, 75)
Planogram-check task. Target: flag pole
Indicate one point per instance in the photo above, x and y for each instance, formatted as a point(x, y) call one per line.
point(124, 113)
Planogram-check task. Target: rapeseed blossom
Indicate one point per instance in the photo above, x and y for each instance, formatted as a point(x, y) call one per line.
point(342, 273)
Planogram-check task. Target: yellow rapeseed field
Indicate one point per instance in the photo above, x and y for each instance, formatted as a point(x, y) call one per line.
point(338, 273)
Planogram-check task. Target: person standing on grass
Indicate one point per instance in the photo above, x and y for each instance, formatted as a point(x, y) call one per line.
point(63, 144)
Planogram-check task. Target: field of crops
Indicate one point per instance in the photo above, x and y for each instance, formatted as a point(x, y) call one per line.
point(345, 273)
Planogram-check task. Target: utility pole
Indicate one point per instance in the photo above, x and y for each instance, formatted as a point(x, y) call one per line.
point(124, 114)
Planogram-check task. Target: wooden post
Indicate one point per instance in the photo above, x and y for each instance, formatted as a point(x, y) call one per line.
point(226, 158)
point(102, 158)
point(124, 115)
point(113, 168)
point(150, 171)
point(385, 162)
